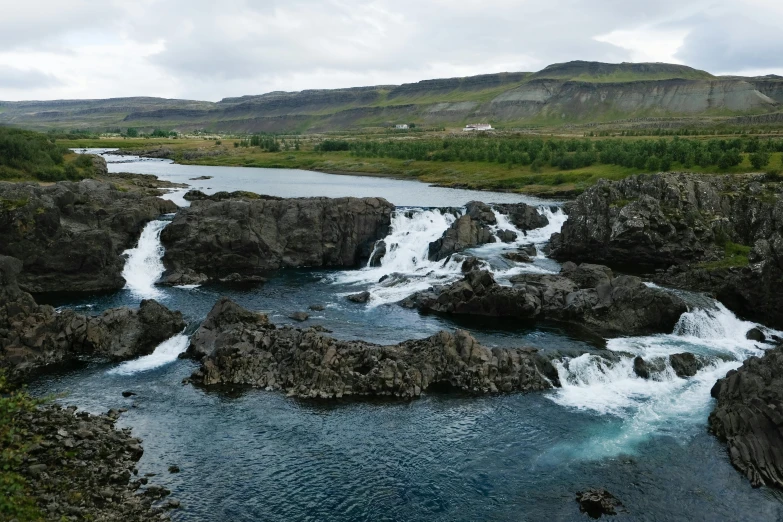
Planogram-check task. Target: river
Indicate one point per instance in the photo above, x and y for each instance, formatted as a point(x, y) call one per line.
point(258, 455)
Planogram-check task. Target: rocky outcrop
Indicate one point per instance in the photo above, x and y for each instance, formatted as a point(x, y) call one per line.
point(469, 230)
point(588, 295)
point(33, 336)
point(747, 416)
point(719, 234)
point(524, 217)
point(251, 235)
point(81, 466)
point(478, 227)
point(237, 346)
point(70, 236)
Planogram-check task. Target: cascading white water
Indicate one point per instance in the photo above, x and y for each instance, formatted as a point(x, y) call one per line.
point(407, 251)
point(166, 352)
point(406, 266)
point(664, 403)
point(144, 265)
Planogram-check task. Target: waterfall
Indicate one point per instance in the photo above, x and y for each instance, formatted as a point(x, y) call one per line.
point(144, 265)
point(665, 403)
point(166, 352)
point(406, 268)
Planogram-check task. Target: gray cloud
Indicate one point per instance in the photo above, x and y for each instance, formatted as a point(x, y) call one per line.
point(206, 49)
point(19, 79)
point(732, 43)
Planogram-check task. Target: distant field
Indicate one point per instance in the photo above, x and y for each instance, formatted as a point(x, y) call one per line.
point(540, 179)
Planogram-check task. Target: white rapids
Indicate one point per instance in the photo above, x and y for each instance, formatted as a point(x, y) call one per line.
point(166, 352)
point(665, 403)
point(406, 267)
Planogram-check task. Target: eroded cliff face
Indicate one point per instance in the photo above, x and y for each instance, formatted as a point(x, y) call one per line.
point(237, 346)
point(571, 92)
point(70, 236)
point(719, 234)
point(33, 336)
point(748, 417)
point(249, 235)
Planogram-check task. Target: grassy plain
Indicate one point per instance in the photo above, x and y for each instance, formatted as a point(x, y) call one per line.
point(546, 181)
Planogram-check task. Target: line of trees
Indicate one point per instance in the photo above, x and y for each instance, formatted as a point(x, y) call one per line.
point(650, 155)
point(32, 154)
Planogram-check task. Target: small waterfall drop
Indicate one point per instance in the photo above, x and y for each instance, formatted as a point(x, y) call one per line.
point(144, 265)
point(665, 403)
point(166, 352)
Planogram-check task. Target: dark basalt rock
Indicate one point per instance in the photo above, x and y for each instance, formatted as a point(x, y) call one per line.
point(685, 364)
point(468, 231)
point(361, 297)
point(517, 257)
point(237, 346)
point(524, 217)
point(184, 277)
point(589, 295)
point(379, 252)
point(299, 316)
point(70, 236)
point(507, 236)
point(597, 502)
point(33, 336)
point(682, 225)
point(747, 416)
point(249, 235)
point(647, 369)
point(755, 334)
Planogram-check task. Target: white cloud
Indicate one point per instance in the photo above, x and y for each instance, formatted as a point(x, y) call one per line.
point(209, 50)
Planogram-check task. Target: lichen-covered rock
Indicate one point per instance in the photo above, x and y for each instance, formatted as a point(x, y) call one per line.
point(237, 346)
point(707, 233)
point(250, 235)
point(748, 416)
point(70, 236)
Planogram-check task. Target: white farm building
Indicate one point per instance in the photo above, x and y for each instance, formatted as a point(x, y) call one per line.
point(478, 127)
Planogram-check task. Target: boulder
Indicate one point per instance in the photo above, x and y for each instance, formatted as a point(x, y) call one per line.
point(299, 316)
point(755, 334)
point(597, 502)
point(71, 236)
point(237, 346)
point(747, 416)
point(248, 234)
point(361, 297)
point(33, 336)
point(524, 217)
point(469, 230)
point(517, 257)
point(647, 369)
point(507, 236)
point(614, 305)
point(685, 364)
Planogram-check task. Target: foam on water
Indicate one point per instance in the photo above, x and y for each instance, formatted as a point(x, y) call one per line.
point(144, 265)
point(665, 403)
point(166, 352)
point(406, 266)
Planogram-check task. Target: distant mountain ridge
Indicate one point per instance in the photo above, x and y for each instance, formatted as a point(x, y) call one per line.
point(575, 92)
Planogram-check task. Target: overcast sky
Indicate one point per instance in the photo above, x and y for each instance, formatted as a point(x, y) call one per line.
point(213, 49)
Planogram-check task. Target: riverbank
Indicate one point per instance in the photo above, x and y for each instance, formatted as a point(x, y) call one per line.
point(306, 153)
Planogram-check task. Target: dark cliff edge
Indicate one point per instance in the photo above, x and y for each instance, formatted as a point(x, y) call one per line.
point(243, 235)
point(719, 234)
point(237, 346)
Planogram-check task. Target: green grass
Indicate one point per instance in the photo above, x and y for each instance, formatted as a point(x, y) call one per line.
point(735, 256)
point(16, 502)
